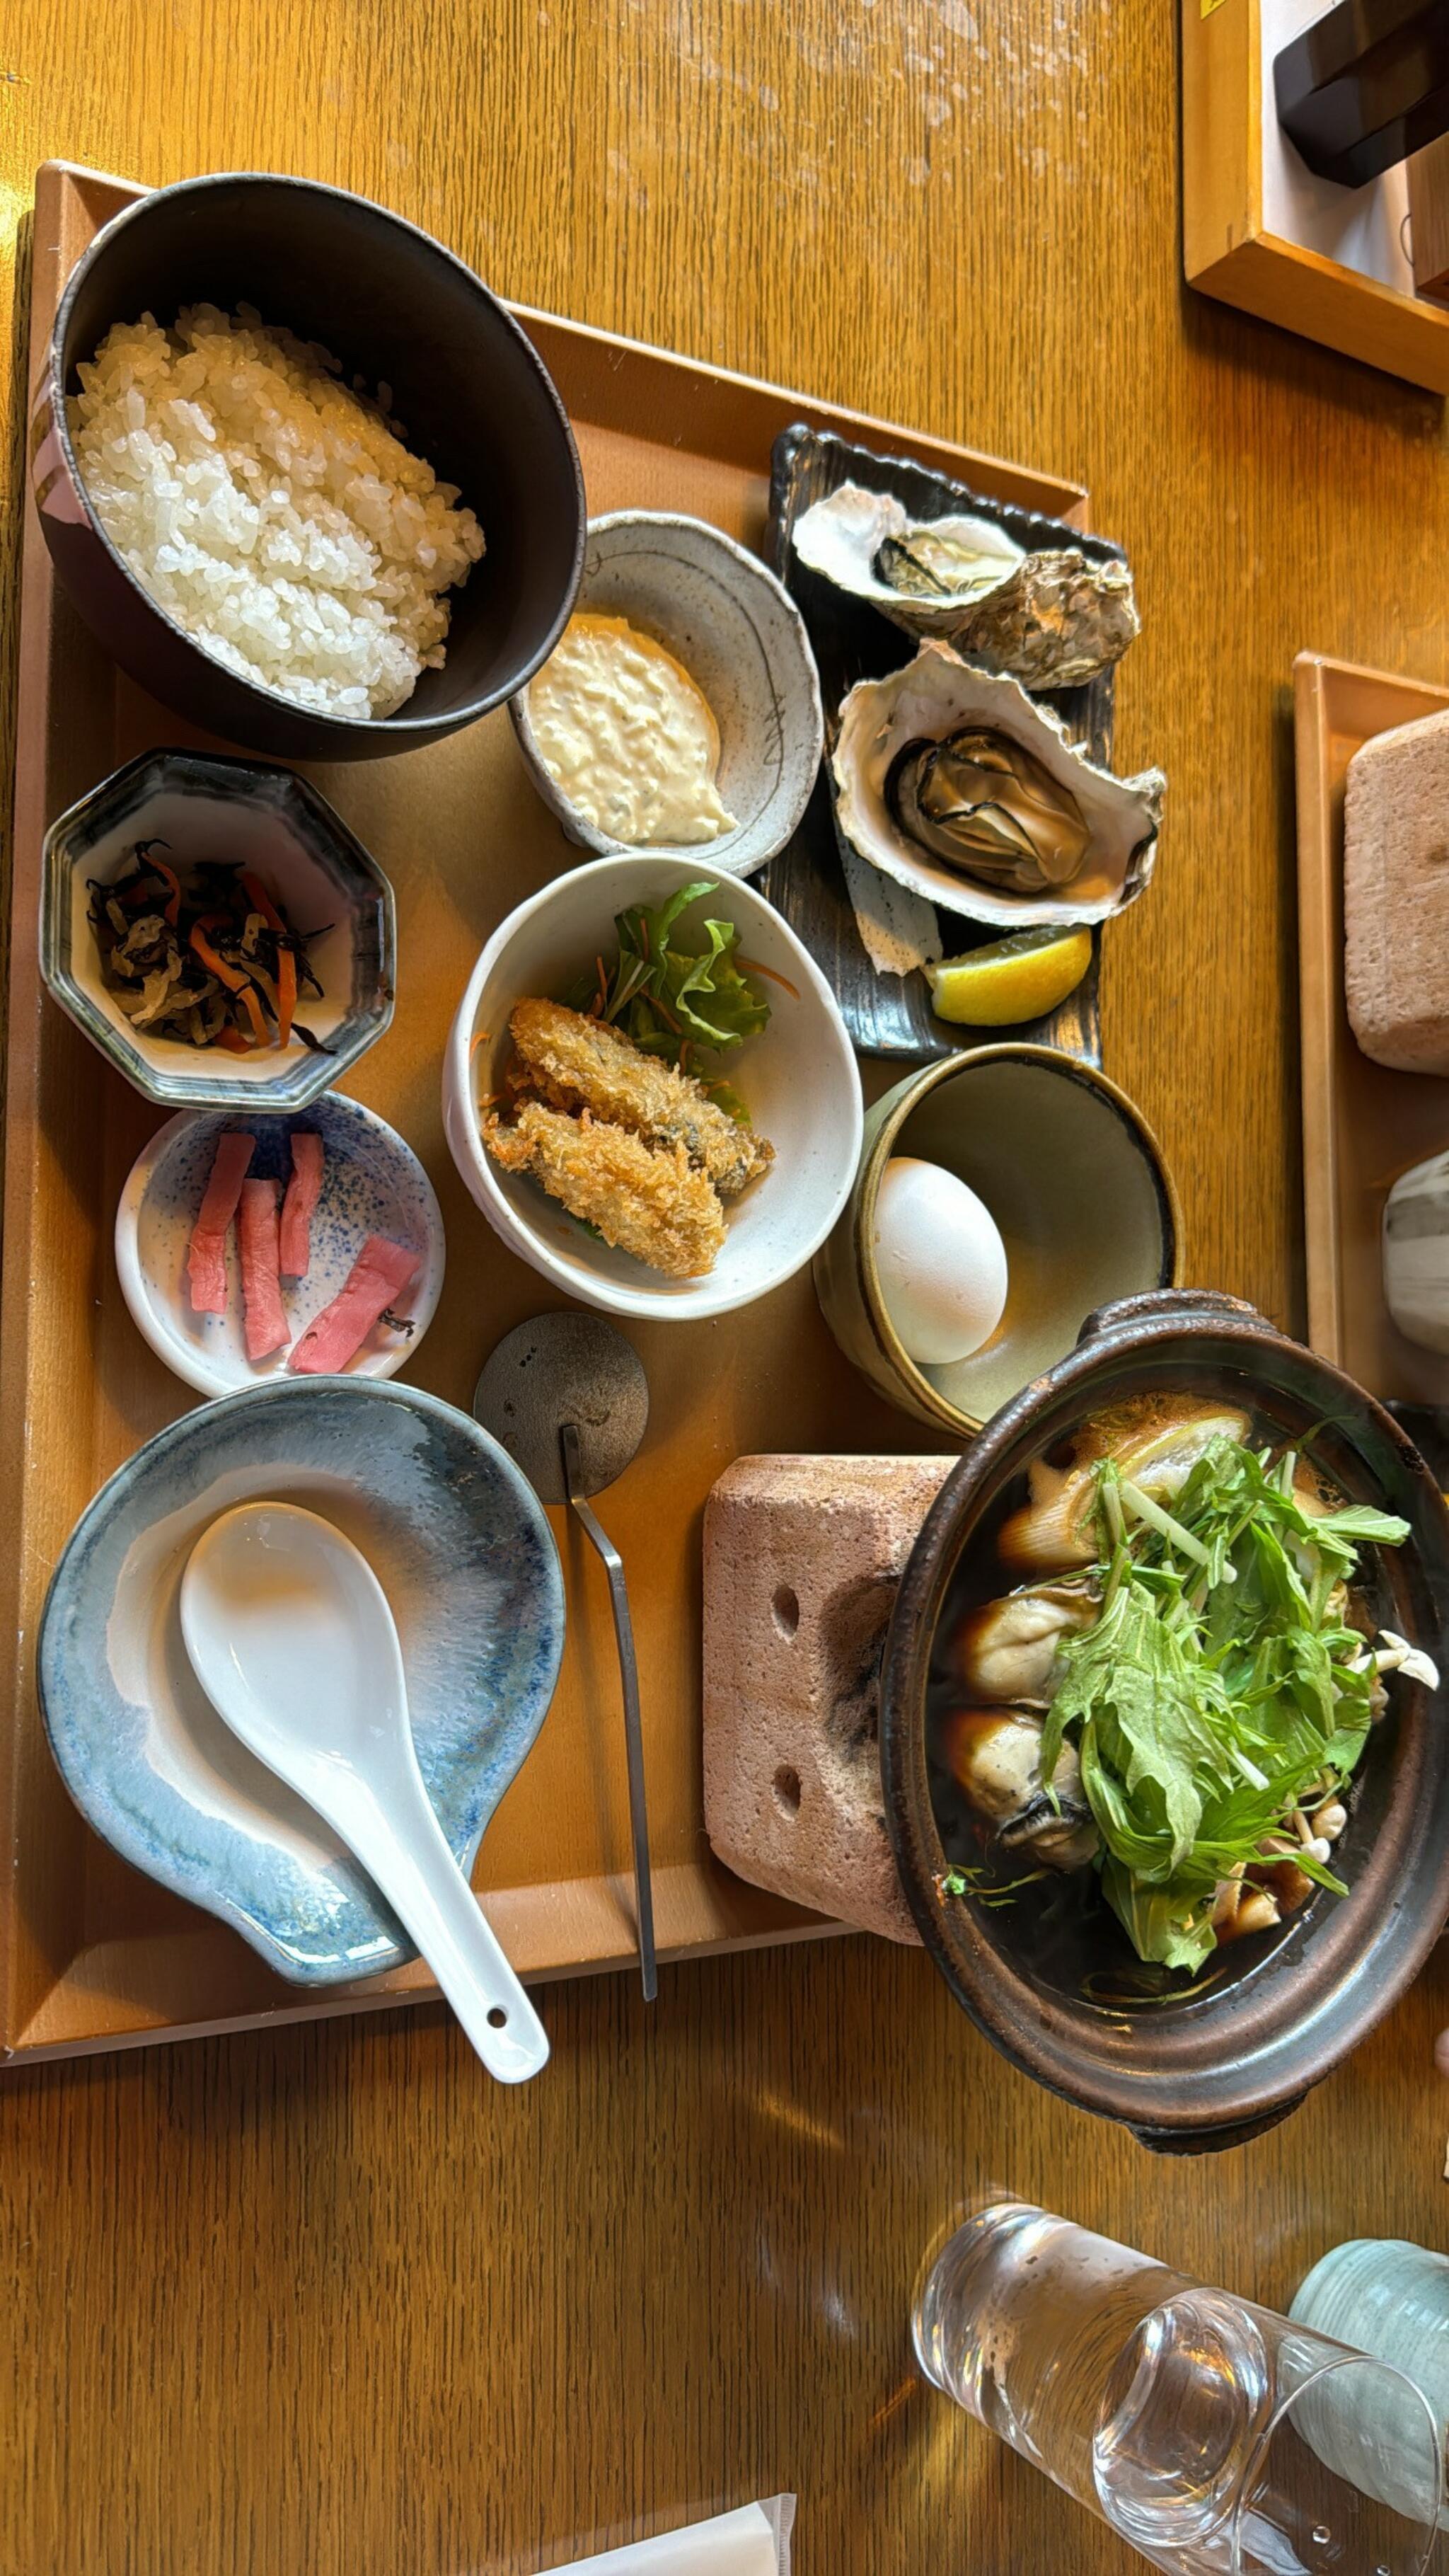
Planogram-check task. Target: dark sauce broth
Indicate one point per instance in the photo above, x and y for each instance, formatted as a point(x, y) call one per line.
point(1059, 1930)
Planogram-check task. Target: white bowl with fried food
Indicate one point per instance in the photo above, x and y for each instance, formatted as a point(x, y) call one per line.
point(734, 1211)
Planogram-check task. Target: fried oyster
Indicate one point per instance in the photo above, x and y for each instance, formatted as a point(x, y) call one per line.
point(579, 1063)
point(641, 1198)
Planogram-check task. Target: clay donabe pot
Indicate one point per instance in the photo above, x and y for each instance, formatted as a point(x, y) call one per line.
point(1189, 2071)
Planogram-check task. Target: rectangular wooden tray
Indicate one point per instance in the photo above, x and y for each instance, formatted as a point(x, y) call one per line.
point(91, 1955)
point(1363, 1123)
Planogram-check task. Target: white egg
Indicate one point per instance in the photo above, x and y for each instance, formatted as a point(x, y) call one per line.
point(940, 1260)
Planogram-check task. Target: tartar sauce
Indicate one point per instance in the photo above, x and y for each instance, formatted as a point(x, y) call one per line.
point(628, 735)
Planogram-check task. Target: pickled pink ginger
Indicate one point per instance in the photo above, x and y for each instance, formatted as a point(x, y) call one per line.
point(266, 1325)
point(304, 1189)
point(206, 1256)
point(379, 1274)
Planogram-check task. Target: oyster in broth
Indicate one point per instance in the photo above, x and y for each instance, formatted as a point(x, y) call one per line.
point(994, 1755)
point(1052, 838)
point(1012, 1649)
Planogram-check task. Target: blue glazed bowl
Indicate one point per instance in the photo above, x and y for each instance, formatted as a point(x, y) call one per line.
point(466, 1557)
point(205, 805)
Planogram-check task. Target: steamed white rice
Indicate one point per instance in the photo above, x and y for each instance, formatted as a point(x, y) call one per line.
point(273, 514)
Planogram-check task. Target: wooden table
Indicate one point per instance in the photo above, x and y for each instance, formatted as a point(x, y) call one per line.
point(322, 2300)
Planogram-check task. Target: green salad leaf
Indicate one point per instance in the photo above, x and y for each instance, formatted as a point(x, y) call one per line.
point(1221, 1688)
point(677, 1002)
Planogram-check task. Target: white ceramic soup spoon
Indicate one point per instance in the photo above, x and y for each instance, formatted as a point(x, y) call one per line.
point(292, 1639)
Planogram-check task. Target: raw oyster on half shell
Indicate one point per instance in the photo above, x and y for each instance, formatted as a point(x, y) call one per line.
point(922, 574)
point(903, 769)
point(986, 805)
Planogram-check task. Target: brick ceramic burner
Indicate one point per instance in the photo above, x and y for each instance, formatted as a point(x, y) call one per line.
point(801, 1561)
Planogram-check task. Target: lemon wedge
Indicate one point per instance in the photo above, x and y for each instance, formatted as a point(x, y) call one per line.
point(1020, 978)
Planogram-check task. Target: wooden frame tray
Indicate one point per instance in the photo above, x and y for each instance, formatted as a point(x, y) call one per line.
point(93, 1956)
point(1363, 1123)
point(1230, 246)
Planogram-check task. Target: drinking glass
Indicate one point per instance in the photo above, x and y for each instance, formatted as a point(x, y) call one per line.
point(1218, 2438)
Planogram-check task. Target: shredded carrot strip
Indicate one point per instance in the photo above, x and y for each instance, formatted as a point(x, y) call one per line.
point(201, 947)
point(235, 982)
point(233, 1041)
point(479, 1038)
point(666, 1015)
point(253, 1010)
point(286, 961)
point(752, 966)
point(169, 878)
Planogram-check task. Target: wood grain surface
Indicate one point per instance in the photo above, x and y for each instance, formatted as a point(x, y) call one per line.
point(322, 2300)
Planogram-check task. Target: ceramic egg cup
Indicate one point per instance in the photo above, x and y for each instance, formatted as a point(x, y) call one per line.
point(1076, 1182)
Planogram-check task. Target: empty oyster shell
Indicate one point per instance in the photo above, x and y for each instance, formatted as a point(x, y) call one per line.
point(922, 574)
point(1057, 622)
point(936, 698)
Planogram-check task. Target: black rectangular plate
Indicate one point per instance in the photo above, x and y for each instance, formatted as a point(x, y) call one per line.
point(892, 1014)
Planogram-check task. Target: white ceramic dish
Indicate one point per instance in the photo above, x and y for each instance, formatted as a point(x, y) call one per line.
point(739, 635)
point(799, 1078)
point(372, 1183)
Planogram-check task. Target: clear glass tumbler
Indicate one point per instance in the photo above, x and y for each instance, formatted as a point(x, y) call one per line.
point(1218, 2438)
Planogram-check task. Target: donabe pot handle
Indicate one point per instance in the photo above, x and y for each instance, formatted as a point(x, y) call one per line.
point(1180, 1303)
point(1211, 2142)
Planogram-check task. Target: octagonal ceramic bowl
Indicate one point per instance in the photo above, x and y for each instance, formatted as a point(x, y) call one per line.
point(203, 805)
point(460, 1543)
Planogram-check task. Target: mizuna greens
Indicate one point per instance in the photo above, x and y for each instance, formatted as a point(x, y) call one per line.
point(1223, 1693)
point(677, 1002)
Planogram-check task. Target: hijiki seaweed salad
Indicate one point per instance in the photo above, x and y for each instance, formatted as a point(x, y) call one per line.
point(1179, 1696)
point(209, 959)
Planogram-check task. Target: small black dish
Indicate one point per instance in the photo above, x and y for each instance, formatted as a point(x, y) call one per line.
point(395, 308)
point(1207, 2066)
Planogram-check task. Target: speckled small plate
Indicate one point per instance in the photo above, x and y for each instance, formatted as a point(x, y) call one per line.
point(372, 1183)
point(465, 1555)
